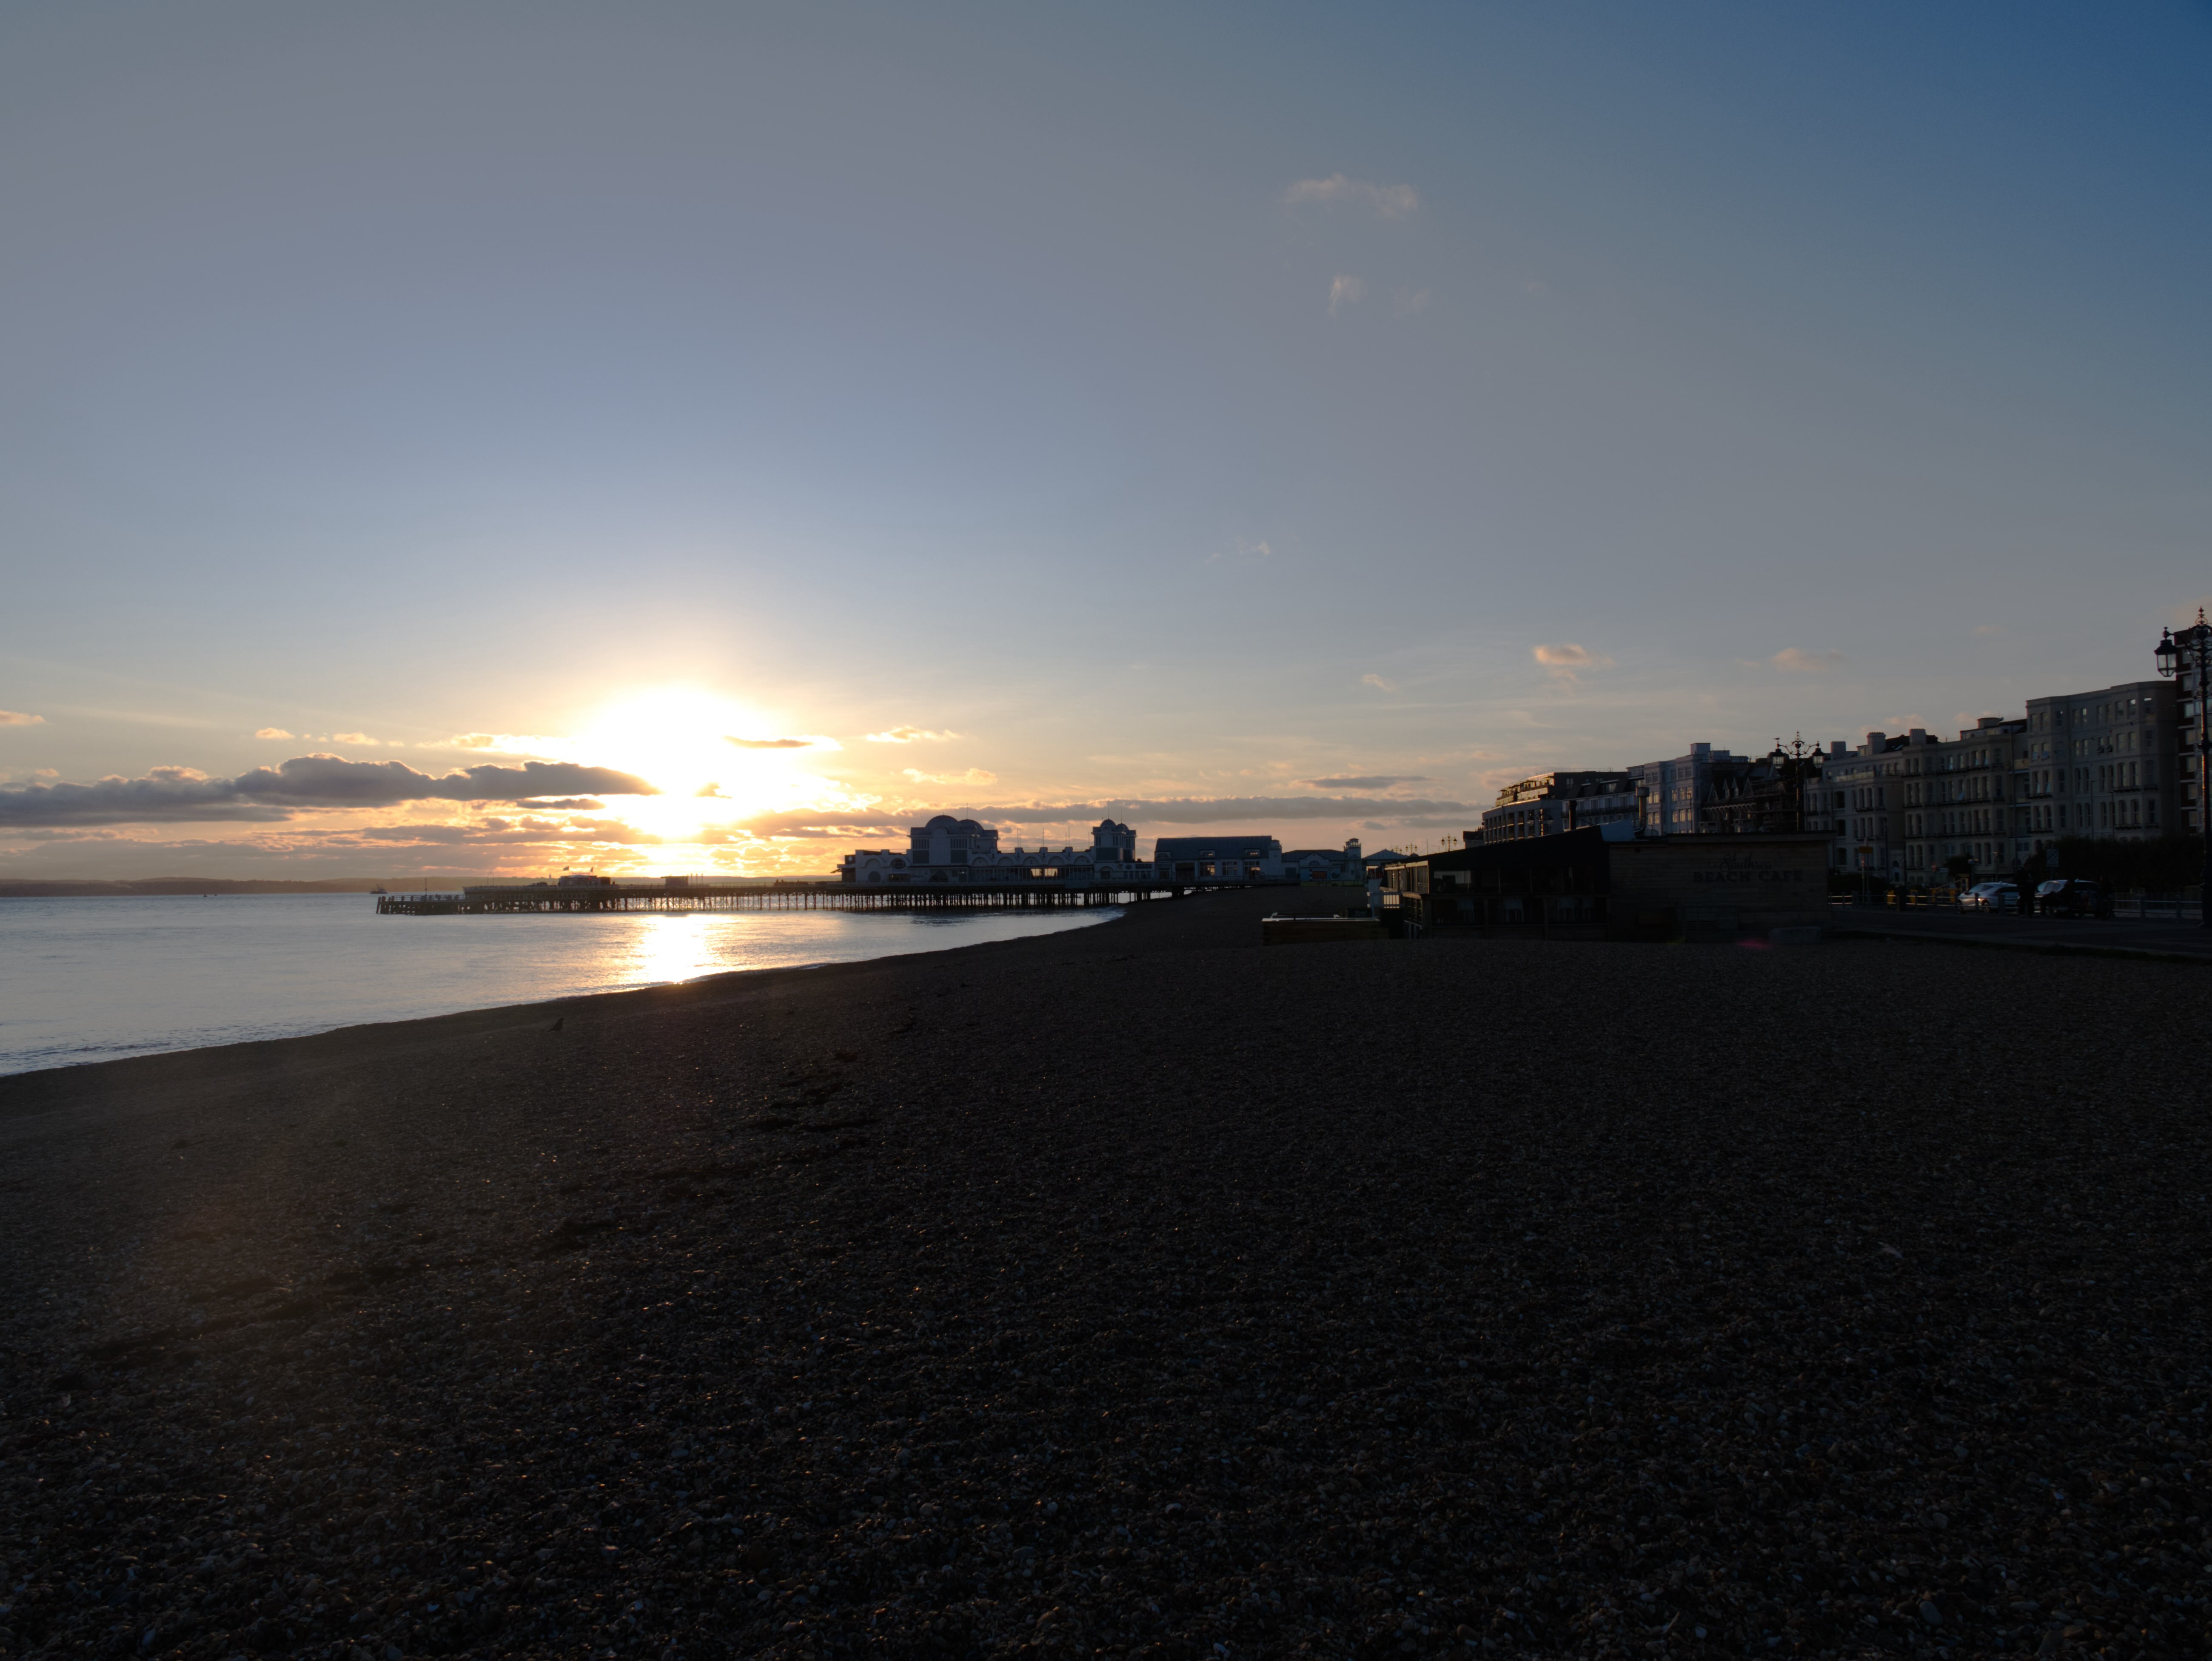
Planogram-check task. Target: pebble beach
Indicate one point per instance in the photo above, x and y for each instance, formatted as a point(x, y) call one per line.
point(1135, 1291)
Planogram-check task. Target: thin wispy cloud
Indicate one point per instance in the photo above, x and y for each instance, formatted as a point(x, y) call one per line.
point(1244, 811)
point(1368, 782)
point(1388, 201)
point(1219, 810)
point(506, 744)
point(1796, 661)
point(973, 776)
point(1566, 660)
point(909, 735)
point(272, 732)
point(1378, 683)
point(783, 744)
point(1343, 292)
point(353, 737)
point(18, 718)
point(1406, 302)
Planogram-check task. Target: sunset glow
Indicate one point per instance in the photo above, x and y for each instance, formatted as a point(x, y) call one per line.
point(716, 763)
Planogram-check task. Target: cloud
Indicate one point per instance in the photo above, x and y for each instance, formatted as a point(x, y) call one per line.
point(509, 743)
point(352, 738)
point(17, 718)
point(910, 735)
point(567, 804)
point(1378, 683)
point(329, 782)
point(1796, 660)
point(1370, 781)
point(1405, 302)
point(163, 794)
point(1389, 201)
point(1566, 660)
point(494, 832)
point(829, 825)
point(1565, 654)
point(973, 776)
point(769, 744)
point(271, 733)
point(1220, 810)
point(265, 794)
point(1344, 291)
point(812, 824)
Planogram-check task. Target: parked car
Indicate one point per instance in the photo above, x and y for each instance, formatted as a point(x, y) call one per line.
point(2071, 897)
point(1990, 897)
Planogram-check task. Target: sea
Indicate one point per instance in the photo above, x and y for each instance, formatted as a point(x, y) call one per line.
point(91, 980)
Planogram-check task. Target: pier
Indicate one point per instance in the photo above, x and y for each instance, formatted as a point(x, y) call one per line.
point(493, 901)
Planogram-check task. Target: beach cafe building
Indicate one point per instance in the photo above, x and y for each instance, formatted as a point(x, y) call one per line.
point(1583, 885)
point(1234, 856)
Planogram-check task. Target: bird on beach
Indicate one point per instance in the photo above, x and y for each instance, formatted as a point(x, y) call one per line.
point(557, 1020)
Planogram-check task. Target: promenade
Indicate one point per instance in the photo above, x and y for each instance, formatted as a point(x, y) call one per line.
point(2158, 937)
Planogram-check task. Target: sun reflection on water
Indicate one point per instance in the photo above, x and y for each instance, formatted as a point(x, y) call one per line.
point(674, 949)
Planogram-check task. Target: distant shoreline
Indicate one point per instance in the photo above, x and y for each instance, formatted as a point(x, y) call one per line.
point(169, 887)
point(172, 887)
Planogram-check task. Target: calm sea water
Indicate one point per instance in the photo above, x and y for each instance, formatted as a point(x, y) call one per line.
point(88, 980)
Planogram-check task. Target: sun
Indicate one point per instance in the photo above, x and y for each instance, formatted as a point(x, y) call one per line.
point(712, 759)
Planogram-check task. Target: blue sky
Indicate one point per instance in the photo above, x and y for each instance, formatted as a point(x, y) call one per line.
point(1154, 406)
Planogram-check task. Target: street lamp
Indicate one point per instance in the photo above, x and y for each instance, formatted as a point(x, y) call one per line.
point(2185, 654)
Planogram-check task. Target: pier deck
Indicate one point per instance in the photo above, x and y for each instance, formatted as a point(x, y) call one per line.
point(784, 896)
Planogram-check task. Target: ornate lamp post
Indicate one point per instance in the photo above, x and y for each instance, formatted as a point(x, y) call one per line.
point(2189, 654)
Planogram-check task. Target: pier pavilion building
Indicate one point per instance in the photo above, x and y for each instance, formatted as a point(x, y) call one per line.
point(965, 851)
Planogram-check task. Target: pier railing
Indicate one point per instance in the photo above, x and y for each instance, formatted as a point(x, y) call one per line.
point(785, 897)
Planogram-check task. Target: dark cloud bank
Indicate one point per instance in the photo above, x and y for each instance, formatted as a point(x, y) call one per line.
point(169, 794)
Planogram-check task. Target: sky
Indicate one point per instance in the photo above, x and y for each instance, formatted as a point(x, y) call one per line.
point(666, 437)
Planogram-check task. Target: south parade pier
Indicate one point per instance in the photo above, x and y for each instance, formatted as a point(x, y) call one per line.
point(492, 900)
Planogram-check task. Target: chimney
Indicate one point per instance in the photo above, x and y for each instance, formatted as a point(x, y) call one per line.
point(1873, 743)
